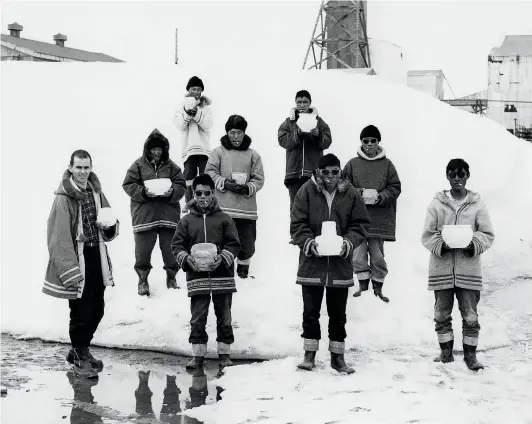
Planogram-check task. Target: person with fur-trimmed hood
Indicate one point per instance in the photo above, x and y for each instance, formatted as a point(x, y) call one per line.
point(376, 178)
point(193, 118)
point(79, 267)
point(457, 271)
point(154, 214)
point(238, 199)
point(207, 223)
point(326, 197)
point(303, 149)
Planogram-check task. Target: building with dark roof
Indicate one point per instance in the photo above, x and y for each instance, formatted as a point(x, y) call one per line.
point(14, 47)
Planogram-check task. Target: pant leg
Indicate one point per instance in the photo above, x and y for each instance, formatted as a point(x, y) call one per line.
point(165, 243)
point(222, 308)
point(312, 298)
point(199, 307)
point(443, 308)
point(377, 264)
point(247, 233)
point(190, 169)
point(360, 261)
point(294, 186)
point(467, 303)
point(201, 163)
point(93, 275)
point(144, 244)
point(336, 298)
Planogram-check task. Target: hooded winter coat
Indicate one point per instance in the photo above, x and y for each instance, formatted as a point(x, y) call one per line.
point(154, 212)
point(195, 130)
point(65, 274)
point(456, 268)
point(377, 173)
point(311, 208)
point(303, 150)
point(213, 226)
point(225, 160)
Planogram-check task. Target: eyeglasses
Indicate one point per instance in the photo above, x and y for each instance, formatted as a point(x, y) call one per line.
point(206, 193)
point(326, 172)
point(452, 174)
point(371, 140)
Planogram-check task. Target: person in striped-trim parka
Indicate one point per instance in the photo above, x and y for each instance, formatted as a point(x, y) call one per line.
point(238, 199)
point(206, 223)
point(79, 267)
point(154, 214)
point(457, 272)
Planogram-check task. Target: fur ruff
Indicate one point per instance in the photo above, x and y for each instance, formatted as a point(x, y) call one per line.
point(71, 191)
point(229, 146)
point(320, 185)
point(294, 114)
point(196, 210)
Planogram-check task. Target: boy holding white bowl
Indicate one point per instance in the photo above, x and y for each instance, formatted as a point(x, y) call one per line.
point(457, 271)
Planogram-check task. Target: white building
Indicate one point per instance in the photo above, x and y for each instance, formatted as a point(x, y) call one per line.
point(430, 82)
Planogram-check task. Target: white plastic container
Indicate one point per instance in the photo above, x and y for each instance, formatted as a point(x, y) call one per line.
point(307, 122)
point(329, 242)
point(457, 236)
point(106, 217)
point(240, 177)
point(204, 255)
point(190, 103)
point(158, 185)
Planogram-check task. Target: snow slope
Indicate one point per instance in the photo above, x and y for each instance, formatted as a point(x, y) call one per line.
point(52, 109)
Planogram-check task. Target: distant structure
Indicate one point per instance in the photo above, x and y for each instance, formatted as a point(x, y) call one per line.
point(430, 82)
point(14, 47)
point(340, 38)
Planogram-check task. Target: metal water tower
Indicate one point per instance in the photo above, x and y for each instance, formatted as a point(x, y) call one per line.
point(340, 37)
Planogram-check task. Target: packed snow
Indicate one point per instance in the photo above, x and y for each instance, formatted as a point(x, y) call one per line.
point(49, 110)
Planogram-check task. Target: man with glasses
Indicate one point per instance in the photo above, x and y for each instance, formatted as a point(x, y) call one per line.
point(374, 175)
point(326, 197)
point(206, 223)
point(457, 271)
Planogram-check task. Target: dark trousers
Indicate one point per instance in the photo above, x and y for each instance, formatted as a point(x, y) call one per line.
point(199, 307)
point(336, 299)
point(194, 164)
point(247, 233)
point(293, 187)
point(87, 312)
point(443, 308)
point(144, 244)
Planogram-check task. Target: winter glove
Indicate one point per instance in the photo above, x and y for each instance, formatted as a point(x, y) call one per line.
point(315, 132)
point(345, 250)
point(149, 193)
point(192, 264)
point(445, 249)
point(469, 251)
point(217, 262)
point(231, 185)
point(168, 193)
point(192, 112)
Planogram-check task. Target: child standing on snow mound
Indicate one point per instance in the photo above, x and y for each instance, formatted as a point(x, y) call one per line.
point(303, 149)
point(374, 175)
point(235, 159)
point(207, 226)
point(326, 197)
point(193, 119)
point(457, 271)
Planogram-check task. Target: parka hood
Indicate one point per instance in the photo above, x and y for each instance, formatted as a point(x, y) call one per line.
point(381, 153)
point(67, 186)
point(320, 185)
point(156, 139)
point(196, 210)
point(472, 197)
point(225, 142)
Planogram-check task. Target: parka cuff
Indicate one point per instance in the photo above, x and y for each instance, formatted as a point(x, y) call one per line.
point(306, 247)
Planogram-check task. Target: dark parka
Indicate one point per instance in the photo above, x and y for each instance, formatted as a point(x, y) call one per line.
point(154, 212)
point(309, 211)
point(211, 226)
point(303, 150)
point(377, 173)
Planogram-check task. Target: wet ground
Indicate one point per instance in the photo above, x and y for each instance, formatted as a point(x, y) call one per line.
point(134, 386)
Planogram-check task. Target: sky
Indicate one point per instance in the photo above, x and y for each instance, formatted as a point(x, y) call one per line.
point(455, 36)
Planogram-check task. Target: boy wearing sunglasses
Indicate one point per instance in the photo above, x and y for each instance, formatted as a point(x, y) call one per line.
point(457, 272)
point(206, 223)
point(375, 176)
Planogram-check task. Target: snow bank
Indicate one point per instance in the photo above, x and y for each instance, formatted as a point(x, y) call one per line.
point(49, 110)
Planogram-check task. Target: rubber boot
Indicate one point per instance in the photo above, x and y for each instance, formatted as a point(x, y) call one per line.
point(224, 360)
point(188, 197)
point(338, 363)
point(144, 287)
point(377, 290)
point(242, 270)
point(308, 361)
point(82, 366)
point(470, 358)
point(96, 364)
point(363, 286)
point(195, 363)
point(171, 282)
point(446, 354)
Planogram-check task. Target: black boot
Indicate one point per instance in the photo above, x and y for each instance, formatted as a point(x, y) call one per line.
point(308, 361)
point(171, 282)
point(377, 290)
point(144, 287)
point(195, 363)
point(82, 366)
point(338, 363)
point(224, 360)
point(242, 270)
point(363, 286)
point(446, 354)
point(96, 364)
point(470, 358)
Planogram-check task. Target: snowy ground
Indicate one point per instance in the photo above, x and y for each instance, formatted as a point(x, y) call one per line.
point(110, 110)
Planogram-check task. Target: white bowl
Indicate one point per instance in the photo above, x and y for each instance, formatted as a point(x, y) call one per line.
point(307, 122)
point(240, 177)
point(204, 255)
point(106, 217)
point(190, 103)
point(457, 236)
point(158, 185)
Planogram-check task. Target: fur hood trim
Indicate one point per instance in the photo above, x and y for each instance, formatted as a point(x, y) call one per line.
point(67, 186)
point(381, 153)
point(202, 101)
point(294, 114)
point(229, 146)
point(320, 185)
point(194, 209)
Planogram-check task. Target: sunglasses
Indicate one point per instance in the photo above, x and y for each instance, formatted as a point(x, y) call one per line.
point(326, 172)
point(371, 140)
point(452, 174)
point(206, 193)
